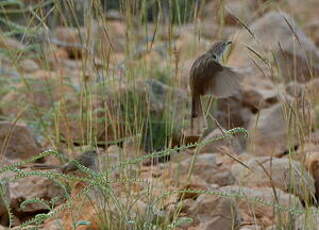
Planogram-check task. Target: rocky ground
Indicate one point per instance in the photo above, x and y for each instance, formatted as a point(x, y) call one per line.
point(79, 89)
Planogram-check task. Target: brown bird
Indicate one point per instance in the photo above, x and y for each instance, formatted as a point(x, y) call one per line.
point(87, 159)
point(209, 77)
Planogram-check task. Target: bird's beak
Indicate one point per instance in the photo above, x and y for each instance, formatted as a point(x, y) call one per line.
point(226, 51)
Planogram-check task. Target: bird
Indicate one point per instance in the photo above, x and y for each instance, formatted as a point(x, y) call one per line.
point(208, 76)
point(87, 159)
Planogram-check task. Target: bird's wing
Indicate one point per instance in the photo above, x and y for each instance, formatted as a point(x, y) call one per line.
point(225, 83)
point(202, 73)
point(209, 77)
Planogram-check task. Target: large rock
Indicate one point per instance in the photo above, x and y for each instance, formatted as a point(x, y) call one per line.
point(28, 66)
point(71, 125)
point(11, 44)
point(276, 130)
point(17, 141)
point(237, 110)
point(34, 187)
point(259, 95)
point(261, 207)
point(215, 212)
point(309, 156)
point(304, 12)
point(275, 35)
point(295, 89)
point(71, 40)
point(256, 93)
point(312, 29)
point(288, 175)
point(39, 94)
point(81, 41)
point(205, 167)
point(231, 113)
point(269, 132)
point(94, 204)
point(251, 227)
point(244, 10)
point(311, 91)
point(308, 220)
point(232, 143)
point(124, 109)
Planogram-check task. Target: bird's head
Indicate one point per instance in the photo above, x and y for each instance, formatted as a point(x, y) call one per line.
point(91, 152)
point(219, 50)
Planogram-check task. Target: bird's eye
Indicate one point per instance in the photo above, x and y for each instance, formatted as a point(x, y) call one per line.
point(215, 57)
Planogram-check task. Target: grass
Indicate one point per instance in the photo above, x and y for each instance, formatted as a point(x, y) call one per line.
point(132, 103)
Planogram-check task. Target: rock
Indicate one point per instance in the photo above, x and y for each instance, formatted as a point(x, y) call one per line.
point(237, 110)
point(251, 227)
point(66, 218)
point(185, 205)
point(231, 113)
point(257, 93)
point(71, 126)
point(18, 141)
point(208, 159)
point(213, 11)
point(312, 139)
point(214, 212)
point(305, 12)
point(310, 158)
point(312, 28)
point(34, 187)
point(231, 143)
point(308, 220)
point(114, 39)
point(273, 131)
point(208, 30)
point(311, 91)
point(151, 97)
point(93, 207)
point(206, 168)
point(70, 39)
point(116, 108)
point(39, 94)
point(191, 195)
point(222, 177)
point(256, 205)
point(5, 200)
point(288, 175)
point(165, 35)
point(28, 66)
point(269, 132)
point(259, 96)
point(53, 224)
point(96, 39)
point(9, 43)
point(295, 89)
point(244, 10)
point(187, 45)
point(275, 34)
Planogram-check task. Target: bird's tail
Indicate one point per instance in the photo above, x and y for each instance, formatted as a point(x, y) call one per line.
point(196, 106)
point(196, 109)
